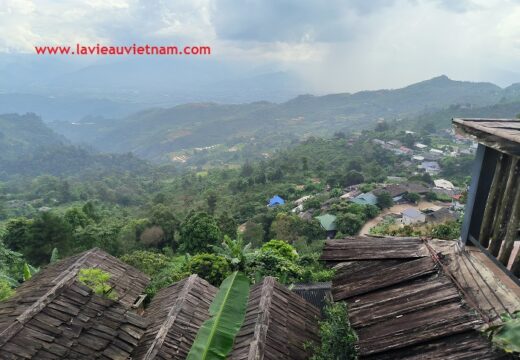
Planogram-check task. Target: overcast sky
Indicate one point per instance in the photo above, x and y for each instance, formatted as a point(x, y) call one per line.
point(334, 45)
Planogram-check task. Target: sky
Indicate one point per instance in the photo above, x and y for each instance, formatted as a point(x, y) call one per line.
point(333, 46)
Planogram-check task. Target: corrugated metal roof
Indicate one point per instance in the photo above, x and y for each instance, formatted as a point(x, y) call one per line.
point(328, 222)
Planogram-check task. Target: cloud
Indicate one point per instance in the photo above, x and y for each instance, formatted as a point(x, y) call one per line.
point(335, 45)
point(291, 20)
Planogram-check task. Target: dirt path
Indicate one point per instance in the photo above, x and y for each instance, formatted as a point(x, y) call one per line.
point(397, 209)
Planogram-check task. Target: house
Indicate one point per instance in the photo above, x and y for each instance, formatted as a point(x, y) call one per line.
point(302, 199)
point(420, 146)
point(431, 167)
point(418, 158)
point(412, 216)
point(365, 199)
point(306, 215)
point(444, 184)
point(405, 304)
point(350, 195)
point(378, 142)
point(394, 143)
point(54, 316)
point(406, 150)
point(437, 151)
point(417, 188)
point(275, 201)
point(328, 222)
point(297, 209)
point(455, 202)
point(396, 191)
point(407, 164)
point(441, 216)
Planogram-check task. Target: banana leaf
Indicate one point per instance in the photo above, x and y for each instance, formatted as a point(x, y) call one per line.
point(216, 336)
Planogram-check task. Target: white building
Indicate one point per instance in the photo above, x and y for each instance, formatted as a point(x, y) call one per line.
point(444, 184)
point(412, 216)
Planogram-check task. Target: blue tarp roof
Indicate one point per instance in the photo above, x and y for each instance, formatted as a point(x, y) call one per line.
point(276, 200)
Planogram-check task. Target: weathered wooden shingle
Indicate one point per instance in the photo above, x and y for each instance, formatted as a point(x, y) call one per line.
point(402, 305)
point(277, 325)
point(500, 134)
point(53, 316)
point(175, 316)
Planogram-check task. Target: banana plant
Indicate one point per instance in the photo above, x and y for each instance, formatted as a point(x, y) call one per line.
point(227, 311)
point(506, 335)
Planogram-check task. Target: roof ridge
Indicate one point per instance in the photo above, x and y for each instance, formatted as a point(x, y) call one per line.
point(171, 317)
point(256, 348)
point(60, 281)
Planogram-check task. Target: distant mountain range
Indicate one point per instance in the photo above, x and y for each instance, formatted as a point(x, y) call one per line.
point(156, 133)
point(65, 89)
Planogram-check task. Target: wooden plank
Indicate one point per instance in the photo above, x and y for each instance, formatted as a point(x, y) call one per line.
point(257, 345)
point(492, 203)
point(170, 319)
point(511, 231)
point(469, 345)
point(414, 328)
point(380, 277)
point(492, 136)
point(500, 224)
point(385, 304)
point(369, 248)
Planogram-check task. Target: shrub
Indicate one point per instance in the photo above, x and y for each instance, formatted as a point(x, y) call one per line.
point(149, 262)
point(280, 248)
point(349, 224)
point(213, 268)
point(271, 263)
point(5, 290)
point(338, 339)
point(172, 272)
point(447, 231)
point(97, 281)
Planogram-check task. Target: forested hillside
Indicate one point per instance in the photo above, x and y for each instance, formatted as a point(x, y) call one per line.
point(163, 134)
point(170, 224)
point(29, 148)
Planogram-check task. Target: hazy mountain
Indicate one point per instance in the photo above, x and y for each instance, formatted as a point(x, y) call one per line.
point(67, 89)
point(28, 147)
point(65, 108)
point(155, 133)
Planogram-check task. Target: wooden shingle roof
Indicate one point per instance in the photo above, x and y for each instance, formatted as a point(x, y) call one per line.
point(53, 316)
point(277, 324)
point(175, 315)
point(402, 305)
point(500, 134)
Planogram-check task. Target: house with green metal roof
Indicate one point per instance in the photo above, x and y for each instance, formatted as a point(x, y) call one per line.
point(328, 222)
point(365, 199)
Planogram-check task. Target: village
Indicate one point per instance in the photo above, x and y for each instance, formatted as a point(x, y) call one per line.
point(402, 202)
